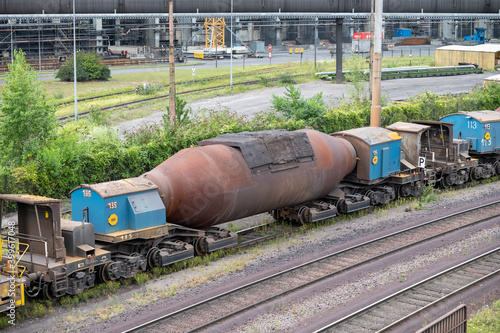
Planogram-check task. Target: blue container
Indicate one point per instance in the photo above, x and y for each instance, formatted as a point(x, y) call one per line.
point(480, 128)
point(378, 151)
point(403, 32)
point(127, 204)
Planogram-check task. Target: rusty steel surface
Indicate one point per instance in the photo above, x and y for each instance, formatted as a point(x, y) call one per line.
point(28, 199)
point(213, 184)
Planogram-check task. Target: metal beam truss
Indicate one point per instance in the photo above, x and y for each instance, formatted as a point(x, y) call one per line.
point(214, 32)
point(256, 16)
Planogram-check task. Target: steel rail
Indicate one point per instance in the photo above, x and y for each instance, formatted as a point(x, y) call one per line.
point(413, 287)
point(282, 273)
point(65, 118)
point(265, 70)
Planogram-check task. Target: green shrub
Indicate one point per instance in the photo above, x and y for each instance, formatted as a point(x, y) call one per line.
point(88, 67)
point(286, 78)
point(28, 116)
point(148, 89)
point(264, 80)
point(182, 114)
point(85, 152)
point(293, 105)
point(486, 320)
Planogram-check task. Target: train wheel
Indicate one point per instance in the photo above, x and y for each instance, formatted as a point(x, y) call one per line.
point(103, 275)
point(474, 174)
point(341, 207)
point(151, 258)
point(303, 215)
point(201, 246)
point(47, 292)
point(444, 183)
point(497, 167)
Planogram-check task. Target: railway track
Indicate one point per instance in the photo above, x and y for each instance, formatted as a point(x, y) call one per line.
point(410, 302)
point(215, 310)
point(262, 233)
point(149, 99)
point(236, 75)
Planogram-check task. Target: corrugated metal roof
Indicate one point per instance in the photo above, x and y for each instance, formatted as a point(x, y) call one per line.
point(489, 48)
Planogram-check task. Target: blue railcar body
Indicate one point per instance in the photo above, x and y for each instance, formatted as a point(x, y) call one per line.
point(480, 128)
point(378, 151)
point(128, 204)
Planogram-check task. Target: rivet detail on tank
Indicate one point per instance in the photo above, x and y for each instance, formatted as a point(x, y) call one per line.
point(113, 219)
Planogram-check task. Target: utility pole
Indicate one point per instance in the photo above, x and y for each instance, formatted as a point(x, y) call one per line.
point(338, 73)
point(370, 83)
point(171, 60)
point(231, 65)
point(377, 65)
point(74, 61)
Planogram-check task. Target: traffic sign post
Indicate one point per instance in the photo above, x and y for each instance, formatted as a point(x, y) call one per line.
point(270, 49)
point(194, 74)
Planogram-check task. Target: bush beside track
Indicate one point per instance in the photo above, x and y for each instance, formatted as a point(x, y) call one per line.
point(88, 152)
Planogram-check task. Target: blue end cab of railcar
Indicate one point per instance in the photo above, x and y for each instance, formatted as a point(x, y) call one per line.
point(480, 128)
point(127, 204)
point(378, 151)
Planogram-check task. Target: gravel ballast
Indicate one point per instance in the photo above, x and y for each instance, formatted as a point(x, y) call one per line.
point(107, 313)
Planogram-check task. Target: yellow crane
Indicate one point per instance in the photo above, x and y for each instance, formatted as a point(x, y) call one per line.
point(214, 32)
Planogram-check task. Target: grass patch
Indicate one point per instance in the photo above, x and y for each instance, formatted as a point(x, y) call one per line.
point(486, 320)
point(282, 74)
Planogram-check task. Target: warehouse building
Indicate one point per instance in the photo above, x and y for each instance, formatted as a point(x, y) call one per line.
point(486, 56)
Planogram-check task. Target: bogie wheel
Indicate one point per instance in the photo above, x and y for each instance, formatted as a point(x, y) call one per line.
point(444, 183)
point(103, 276)
point(473, 174)
point(47, 292)
point(151, 258)
point(200, 246)
point(303, 216)
point(341, 209)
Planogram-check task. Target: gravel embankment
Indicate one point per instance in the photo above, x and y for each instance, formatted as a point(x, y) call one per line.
point(202, 281)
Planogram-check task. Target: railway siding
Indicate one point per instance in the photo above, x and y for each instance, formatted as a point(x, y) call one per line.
point(205, 314)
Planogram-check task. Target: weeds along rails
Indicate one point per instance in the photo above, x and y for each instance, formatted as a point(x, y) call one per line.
point(153, 88)
point(171, 213)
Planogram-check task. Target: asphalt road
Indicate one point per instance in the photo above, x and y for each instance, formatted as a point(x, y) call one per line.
point(259, 100)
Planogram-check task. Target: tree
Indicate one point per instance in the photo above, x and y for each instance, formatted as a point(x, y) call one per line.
point(88, 67)
point(28, 116)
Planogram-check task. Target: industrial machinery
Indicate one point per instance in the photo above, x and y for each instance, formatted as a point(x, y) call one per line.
point(478, 36)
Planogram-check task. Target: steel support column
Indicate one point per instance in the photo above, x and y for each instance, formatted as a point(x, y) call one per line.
point(338, 75)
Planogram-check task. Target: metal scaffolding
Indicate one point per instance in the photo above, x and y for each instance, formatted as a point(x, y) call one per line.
point(214, 32)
